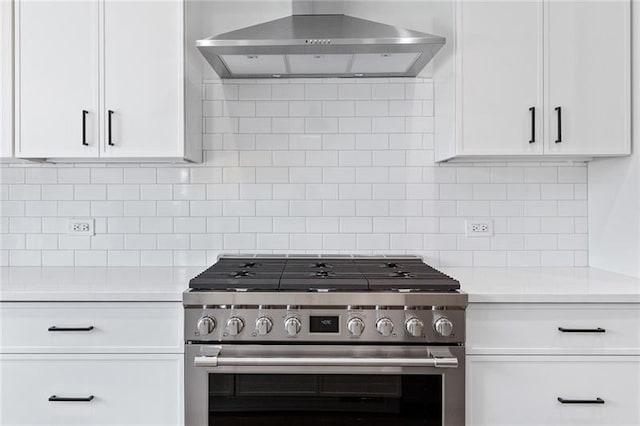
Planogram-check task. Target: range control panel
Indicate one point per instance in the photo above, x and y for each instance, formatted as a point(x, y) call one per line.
point(383, 324)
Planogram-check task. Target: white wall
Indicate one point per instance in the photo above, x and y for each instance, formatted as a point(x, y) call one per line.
point(614, 192)
point(307, 165)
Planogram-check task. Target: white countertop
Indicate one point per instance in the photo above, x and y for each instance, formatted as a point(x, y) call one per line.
point(150, 284)
point(545, 285)
point(484, 285)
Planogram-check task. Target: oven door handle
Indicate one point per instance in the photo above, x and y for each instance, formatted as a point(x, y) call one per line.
point(222, 361)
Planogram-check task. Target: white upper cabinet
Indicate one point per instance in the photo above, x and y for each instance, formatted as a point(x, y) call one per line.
point(501, 51)
point(588, 77)
point(108, 84)
point(57, 79)
point(143, 62)
point(508, 66)
point(6, 80)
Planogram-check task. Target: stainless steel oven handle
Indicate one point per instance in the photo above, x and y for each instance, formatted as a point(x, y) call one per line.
point(222, 361)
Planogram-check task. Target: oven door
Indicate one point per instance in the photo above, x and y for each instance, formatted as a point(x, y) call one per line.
point(312, 385)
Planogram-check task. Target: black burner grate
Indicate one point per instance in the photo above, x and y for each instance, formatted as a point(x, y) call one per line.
point(323, 275)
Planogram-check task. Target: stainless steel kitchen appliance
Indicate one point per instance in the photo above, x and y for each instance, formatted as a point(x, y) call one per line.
point(319, 40)
point(317, 340)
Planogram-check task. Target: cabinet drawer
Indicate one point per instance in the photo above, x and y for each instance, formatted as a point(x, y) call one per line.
point(91, 327)
point(535, 329)
point(524, 390)
point(126, 389)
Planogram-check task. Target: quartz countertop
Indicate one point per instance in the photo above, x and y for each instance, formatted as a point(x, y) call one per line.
point(165, 284)
point(145, 284)
point(545, 285)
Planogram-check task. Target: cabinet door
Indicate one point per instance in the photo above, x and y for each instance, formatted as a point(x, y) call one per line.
point(57, 78)
point(501, 71)
point(6, 79)
point(126, 389)
point(588, 77)
point(143, 78)
point(524, 390)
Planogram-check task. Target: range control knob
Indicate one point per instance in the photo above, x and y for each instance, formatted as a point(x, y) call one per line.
point(414, 327)
point(292, 326)
point(206, 325)
point(355, 326)
point(235, 326)
point(263, 326)
point(384, 326)
point(443, 326)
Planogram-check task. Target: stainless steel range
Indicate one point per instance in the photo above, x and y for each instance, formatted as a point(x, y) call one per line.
point(318, 340)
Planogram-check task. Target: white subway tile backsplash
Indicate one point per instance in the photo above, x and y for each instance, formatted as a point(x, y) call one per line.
point(354, 91)
point(106, 175)
point(239, 175)
point(139, 175)
point(191, 225)
point(254, 92)
point(32, 175)
point(25, 225)
point(25, 258)
point(74, 175)
point(287, 91)
point(154, 225)
point(58, 258)
point(307, 165)
point(24, 192)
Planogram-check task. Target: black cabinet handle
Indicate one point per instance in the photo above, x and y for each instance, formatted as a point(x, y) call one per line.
point(582, 330)
point(54, 328)
point(84, 127)
point(581, 401)
point(533, 124)
point(109, 139)
point(559, 111)
point(55, 398)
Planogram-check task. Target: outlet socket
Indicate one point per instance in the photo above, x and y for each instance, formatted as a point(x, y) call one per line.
point(80, 226)
point(478, 228)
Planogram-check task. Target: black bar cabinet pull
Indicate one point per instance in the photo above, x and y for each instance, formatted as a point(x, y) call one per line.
point(582, 330)
point(54, 328)
point(559, 111)
point(533, 124)
point(109, 140)
point(55, 398)
point(581, 401)
point(84, 127)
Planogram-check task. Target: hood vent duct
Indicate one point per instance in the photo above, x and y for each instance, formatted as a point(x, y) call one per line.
point(318, 40)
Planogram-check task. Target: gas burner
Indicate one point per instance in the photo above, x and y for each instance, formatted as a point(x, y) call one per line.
point(323, 274)
point(241, 274)
point(401, 274)
point(391, 265)
point(249, 265)
point(321, 265)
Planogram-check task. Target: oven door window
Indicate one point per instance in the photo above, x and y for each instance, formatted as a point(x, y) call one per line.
point(310, 400)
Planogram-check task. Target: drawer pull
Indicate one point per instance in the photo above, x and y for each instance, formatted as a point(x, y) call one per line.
point(582, 330)
point(54, 328)
point(581, 401)
point(55, 398)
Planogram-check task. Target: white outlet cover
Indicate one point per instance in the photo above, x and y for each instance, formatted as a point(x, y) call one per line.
point(478, 228)
point(80, 226)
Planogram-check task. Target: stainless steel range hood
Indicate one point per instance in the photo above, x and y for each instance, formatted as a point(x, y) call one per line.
point(319, 41)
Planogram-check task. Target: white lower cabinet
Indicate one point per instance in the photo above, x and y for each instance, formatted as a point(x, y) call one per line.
point(538, 364)
point(524, 390)
point(91, 363)
point(123, 389)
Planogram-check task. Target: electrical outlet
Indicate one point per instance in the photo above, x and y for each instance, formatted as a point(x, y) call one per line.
point(478, 228)
point(80, 226)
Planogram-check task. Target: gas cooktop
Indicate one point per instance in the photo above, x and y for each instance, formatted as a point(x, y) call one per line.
point(403, 274)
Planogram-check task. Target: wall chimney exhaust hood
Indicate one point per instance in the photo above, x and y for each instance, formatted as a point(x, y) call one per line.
point(318, 40)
